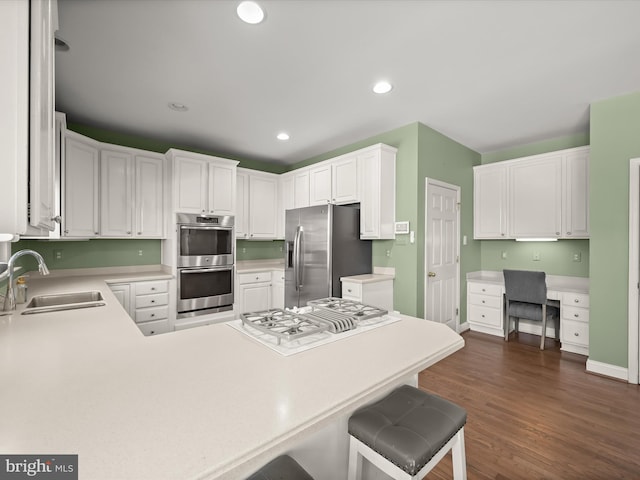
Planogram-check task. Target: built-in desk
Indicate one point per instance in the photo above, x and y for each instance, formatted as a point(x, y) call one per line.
point(485, 308)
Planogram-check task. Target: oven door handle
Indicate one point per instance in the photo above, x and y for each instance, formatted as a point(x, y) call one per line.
point(198, 227)
point(204, 270)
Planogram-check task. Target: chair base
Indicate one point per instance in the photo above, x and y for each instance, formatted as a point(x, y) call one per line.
point(359, 451)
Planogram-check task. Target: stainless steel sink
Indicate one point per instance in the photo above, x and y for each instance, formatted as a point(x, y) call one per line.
point(64, 301)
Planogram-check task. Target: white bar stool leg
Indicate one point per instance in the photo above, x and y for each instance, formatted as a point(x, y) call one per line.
point(355, 460)
point(458, 457)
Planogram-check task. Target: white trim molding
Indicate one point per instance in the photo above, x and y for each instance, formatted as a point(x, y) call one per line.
point(608, 370)
point(634, 270)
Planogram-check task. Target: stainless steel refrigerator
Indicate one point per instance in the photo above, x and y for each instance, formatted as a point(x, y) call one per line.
point(322, 244)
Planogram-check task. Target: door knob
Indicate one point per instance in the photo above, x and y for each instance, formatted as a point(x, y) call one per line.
point(432, 274)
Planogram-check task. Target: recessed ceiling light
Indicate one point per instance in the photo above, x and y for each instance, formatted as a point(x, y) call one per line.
point(250, 12)
point(382, 87)
point(283, 136)
point(178, 107)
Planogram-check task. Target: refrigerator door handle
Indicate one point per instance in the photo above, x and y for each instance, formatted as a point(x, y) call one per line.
point(300, 277)
point(297, 258)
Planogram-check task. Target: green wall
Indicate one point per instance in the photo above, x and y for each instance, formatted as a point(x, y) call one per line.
point(90, 253)
point(440, 158)
point(264, 250)
point(556, 258)
point(615, 139)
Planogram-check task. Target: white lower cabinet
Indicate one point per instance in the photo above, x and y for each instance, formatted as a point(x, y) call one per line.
point(277, 289)
point(378, 293)
point(485, 308)
point(147, 303)
point(253, 292)
point(574, 323)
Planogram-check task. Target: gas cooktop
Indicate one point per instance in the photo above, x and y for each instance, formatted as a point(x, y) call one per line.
point(359, 311)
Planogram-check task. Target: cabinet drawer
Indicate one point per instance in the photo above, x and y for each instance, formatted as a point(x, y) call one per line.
point(575, 313)
point(485, 289)
point(352, 290)
point(153, 328)
point(148, 314)
point(575, 332)
point(257, 277)
point(146, 288)
point(158, 299)
point(485, 300)
point(485, 316)
point(575, 299)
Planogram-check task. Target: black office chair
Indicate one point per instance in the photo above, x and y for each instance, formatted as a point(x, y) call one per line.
point(526, 295)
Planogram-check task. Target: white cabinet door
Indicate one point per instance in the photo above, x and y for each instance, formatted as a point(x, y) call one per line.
point(535, 194)
point(377, 170)
point(490, 201)
point(255, 297)
point(116, 193)
point(301, 189)
point(242, 205)
point(149, 188)
point(222, 188)
point(344, 181)
point(263, 198)
point(320, 184)
point(277, 289)
point(191, 178)
point(122, 292)
point(576, 194)
point(81, 173)
point(44, 23)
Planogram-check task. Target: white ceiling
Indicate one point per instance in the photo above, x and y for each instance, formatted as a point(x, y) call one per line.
point(488, 74)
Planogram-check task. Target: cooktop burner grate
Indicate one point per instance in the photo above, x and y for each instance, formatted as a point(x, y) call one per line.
point(350, 308)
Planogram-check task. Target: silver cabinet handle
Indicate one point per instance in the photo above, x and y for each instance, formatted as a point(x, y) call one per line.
point(56, 219)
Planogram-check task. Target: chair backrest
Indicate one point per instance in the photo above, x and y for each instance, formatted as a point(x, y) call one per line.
point(525, 286)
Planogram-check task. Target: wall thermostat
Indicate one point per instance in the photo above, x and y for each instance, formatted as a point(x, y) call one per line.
point(402, 227)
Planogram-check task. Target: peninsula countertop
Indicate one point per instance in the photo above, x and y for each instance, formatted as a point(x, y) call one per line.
point(202, 403)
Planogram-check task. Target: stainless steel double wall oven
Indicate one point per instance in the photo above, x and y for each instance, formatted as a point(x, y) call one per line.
point(205, 263)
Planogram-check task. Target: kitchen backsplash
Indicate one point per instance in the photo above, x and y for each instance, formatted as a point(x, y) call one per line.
point(111, 253)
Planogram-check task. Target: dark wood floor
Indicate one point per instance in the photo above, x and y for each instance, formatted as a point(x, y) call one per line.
point(536, 414)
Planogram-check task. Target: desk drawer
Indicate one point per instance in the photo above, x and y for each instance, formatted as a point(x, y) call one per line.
point(485, 289)
point(485, 300)
point(352, 290)
point(258, 277)
point(575, 313)
point(575, 332)
point(485, 316)
point(575, 299)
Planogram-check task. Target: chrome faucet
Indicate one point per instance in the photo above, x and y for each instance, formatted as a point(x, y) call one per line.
point(6, 269)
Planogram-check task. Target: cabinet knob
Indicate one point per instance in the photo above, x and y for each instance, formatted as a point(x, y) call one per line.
point(96, 233)
point(152, 332)
point(482, 315)
point(153, 288)
point(568, 233)
point(576, 334)
point(502, 234)
point(349, 290)
point(66, 232)
point(577, 301)
point(483, 301)
point(56, 219)
point(129, 233)
point(576, 315)
point(153, 301)
point(153, 315)
point(204, 211)
point(139, 233)
point(557, 233)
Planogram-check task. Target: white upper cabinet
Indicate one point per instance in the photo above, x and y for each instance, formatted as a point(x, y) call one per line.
point(148, 194)
point(320, 184)
point(576, 194)
point(203, 184)
point(542, 196)
point(490, 201)
point(535, 198)
point(334, 181)
point(344, 180)
point(81, 176)
point(258, 197)
point(377, 176)
point(116, 193)
point(42, 188)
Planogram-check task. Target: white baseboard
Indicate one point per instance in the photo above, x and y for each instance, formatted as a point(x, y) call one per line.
point(608, 370)
point(463, 327)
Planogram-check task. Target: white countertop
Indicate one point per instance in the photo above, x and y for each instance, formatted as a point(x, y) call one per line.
point(367, 278)
point(253, 266)
point(555, 283)
point(202, 403)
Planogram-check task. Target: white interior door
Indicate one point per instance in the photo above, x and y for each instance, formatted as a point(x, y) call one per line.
point(442, 272)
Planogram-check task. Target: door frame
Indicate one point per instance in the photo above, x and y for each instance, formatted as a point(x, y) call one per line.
point(457, 189)
point(634, 271)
